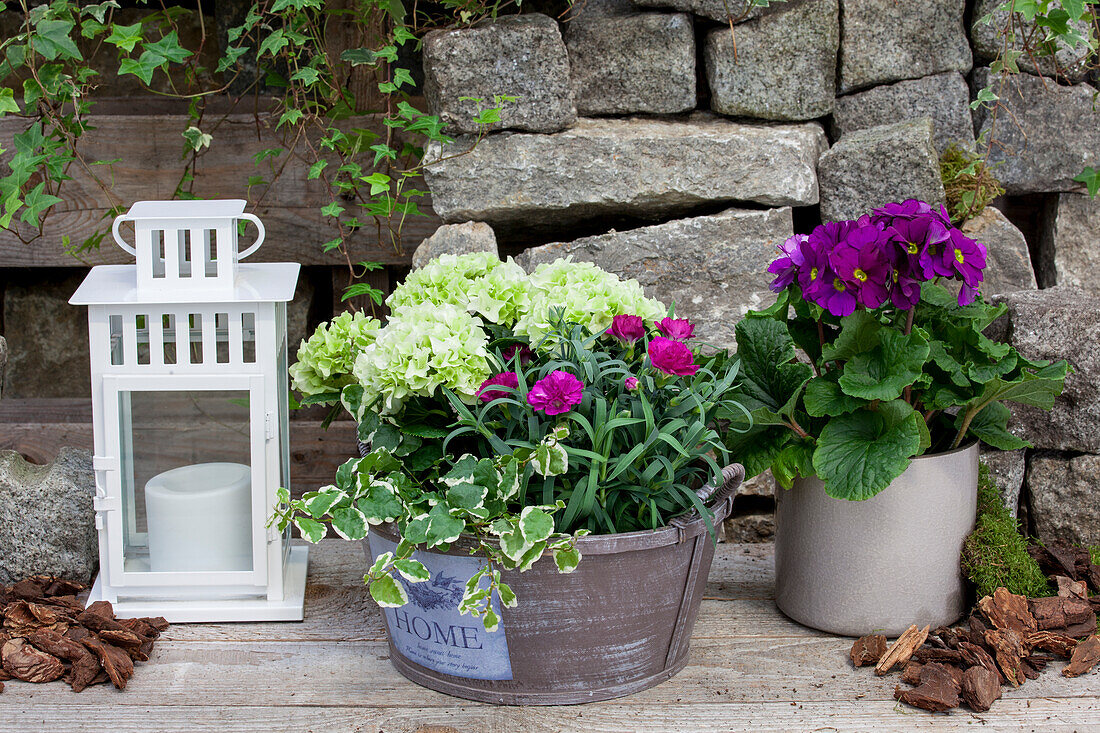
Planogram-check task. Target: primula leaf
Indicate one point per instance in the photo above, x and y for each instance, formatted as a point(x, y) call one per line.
point(859, 454)
point(388, 593)
point(770, 376)
point(991, 426)
point(1038, 387)
point(824, 397)
point(883, 372)
point(795, 460)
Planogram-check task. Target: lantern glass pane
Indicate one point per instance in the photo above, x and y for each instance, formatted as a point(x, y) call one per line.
point(186, 480)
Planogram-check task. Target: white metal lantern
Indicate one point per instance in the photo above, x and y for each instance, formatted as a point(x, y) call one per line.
point(189, 402)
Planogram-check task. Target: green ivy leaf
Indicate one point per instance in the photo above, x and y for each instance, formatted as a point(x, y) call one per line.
point(334, 210)
point(142, 67)
point(36, 202)
point(358, 56)
point(125, 36)
point(388, 593)
point(168, 48)
point(1091, 178)
point(274, 43)
point(859, 454)
point(7, 101)
point(52, 39)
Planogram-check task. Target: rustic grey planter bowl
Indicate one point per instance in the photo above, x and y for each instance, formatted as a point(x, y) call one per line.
point(857, 567)
point(619, 623)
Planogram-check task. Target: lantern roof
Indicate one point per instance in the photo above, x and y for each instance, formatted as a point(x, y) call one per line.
point(187, 209)
point(261, 282)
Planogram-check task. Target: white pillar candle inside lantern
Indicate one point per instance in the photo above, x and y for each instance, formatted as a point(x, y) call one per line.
point(189, 406)
point(199, 518)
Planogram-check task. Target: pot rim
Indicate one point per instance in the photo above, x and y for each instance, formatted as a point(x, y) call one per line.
point(679, 529)
point(961, 449)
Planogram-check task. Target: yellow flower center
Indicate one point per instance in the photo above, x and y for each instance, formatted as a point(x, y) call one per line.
point(838, 285)
point(895, 275)
point(912, 248)
point(813, 274)
point(860, 275)
point(932, 250)
point(959, 255)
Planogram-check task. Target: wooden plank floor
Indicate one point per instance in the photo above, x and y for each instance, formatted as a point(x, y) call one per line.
point(751, 669)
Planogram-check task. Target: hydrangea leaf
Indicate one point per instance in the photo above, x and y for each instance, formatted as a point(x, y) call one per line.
point(388, 593)
point(859, 454)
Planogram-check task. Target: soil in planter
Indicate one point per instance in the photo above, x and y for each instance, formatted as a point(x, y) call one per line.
point(48, 635)
point(1008, 639)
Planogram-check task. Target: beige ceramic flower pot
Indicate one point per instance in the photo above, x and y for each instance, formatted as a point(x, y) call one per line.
point(857, 567)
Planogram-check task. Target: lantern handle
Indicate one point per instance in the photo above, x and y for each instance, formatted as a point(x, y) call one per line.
point(118, 237)
point(259, 240)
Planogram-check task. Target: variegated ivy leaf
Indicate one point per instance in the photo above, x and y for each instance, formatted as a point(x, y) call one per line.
point(490, 620)
point(311, 530)
point(318, 503)
point(381, 563)
point(501, 526)
point(536, 525)
point(567, 559)
point(466, 496)
point(416, 531)
point(462, 471)
point(442, 527)
point(349, 523)
point(345, 474)
point(412, 570)
point(514, 545)
point(379, 461)
point(531, 556)
point(550, 459)
point(351, 397)
point(282, 496)
point(561, 432)
point(509, 480)
point(507, 596)
point(388, 593)
point(380, 503)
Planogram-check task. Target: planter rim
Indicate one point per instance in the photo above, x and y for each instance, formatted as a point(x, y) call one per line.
point(679, 529)
point(964, 447)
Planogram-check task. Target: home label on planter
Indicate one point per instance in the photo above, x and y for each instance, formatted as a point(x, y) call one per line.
point(429, 630)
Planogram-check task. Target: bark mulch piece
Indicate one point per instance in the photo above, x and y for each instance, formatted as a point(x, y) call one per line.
point(902, 649)
point(1085, 656)
point(980, 687)
point(1008, 611)
point(868, 649)
point(46, 634)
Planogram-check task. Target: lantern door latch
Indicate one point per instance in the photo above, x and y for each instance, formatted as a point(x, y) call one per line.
point(269, 425)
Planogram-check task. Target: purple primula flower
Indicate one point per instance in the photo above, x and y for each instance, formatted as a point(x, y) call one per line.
point(786, 268)
point(905, 292)
point(815, 270)
point(908, 209)
point(680, 329)
point(631, 383)
point(836, 296)
point(672, 357)
point(964, 258)
point(504, 379)
point(862, 262)
point(556, 393)
point(627, 328)
point(918, 239)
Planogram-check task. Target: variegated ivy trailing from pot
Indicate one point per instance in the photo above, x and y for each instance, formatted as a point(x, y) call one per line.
point(516, 412)
point(875, 353)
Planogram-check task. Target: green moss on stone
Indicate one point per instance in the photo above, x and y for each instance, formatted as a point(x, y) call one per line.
point(995, 553)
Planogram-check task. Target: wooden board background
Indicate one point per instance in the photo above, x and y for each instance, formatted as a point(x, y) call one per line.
point(151, 148)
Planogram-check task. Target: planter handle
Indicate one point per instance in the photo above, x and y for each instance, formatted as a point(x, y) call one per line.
point(732, 476)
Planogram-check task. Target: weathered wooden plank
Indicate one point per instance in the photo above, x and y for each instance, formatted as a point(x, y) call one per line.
point(622, 716)
point(37, 428)
point(150, 148)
